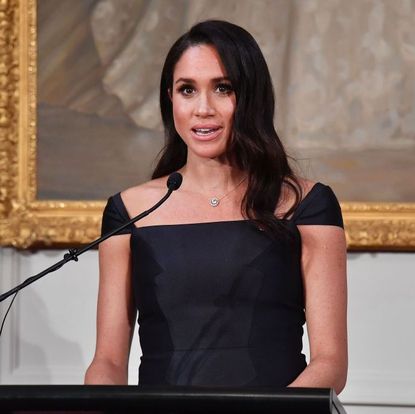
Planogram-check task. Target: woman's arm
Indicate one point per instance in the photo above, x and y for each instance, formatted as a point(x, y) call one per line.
point(325, 290)
point(115, 314)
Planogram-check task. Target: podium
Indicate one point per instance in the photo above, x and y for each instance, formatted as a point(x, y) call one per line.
point(99, 399)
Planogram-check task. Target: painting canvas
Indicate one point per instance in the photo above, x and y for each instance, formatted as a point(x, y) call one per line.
point(344, 78)
point(79, 116)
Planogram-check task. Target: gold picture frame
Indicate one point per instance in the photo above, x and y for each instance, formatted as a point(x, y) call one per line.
point(28, 222)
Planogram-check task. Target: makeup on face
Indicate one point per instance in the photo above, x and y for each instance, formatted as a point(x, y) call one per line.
point(203, 101)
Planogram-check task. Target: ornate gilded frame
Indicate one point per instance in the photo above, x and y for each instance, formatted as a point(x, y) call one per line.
point(27, 222)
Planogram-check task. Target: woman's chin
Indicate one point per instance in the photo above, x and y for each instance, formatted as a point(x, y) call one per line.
point(207, 153)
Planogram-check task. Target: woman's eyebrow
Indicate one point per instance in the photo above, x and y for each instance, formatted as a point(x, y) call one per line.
point(189, 80)
point(185, 80)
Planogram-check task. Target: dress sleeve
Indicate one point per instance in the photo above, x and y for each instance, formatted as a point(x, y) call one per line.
point(115, 215)
point(319, 207)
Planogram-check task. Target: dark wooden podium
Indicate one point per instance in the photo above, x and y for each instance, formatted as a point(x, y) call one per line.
point(132, 399)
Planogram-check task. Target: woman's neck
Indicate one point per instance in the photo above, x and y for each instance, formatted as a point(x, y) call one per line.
point(210, 176)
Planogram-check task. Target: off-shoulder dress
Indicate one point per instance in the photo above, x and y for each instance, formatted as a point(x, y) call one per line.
point(221, 303)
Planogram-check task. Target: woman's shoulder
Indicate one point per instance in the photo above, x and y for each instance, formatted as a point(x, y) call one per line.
point(293, 191)
point(146, 189)
point(122, 206)
point(143, 196)
point(317, 205)
point(305, 186)
point(309, 202)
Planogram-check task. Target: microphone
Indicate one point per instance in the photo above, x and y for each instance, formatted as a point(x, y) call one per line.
point(173, 183)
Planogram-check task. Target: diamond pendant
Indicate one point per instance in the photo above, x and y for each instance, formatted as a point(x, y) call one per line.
point(214, 202)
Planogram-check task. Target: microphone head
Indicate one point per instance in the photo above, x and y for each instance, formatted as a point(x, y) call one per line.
point(174, 181)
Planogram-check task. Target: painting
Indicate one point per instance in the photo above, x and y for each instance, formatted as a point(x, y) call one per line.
point(79, 117)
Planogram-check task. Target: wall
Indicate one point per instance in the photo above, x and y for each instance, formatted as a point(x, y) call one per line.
point(49, 336)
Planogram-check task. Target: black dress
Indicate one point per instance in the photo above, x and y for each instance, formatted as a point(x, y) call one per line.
point(221, 303)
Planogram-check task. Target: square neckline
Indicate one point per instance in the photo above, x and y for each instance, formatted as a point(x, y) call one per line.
point(299, 208)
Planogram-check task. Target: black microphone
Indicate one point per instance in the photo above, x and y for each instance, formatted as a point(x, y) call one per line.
point(173, 183)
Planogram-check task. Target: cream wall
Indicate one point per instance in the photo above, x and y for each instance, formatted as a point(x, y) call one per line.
point(49, 336)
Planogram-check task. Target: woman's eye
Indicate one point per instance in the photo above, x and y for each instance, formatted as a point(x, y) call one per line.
point(224, 88)
point(186, 90)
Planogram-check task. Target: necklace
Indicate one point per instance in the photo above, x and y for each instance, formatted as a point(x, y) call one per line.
point(215, 201)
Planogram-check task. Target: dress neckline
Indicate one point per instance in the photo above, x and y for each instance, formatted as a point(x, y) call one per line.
point(200, 223)
point(309, 195)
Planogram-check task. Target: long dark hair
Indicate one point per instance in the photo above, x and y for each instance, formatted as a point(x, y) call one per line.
point(254, 146)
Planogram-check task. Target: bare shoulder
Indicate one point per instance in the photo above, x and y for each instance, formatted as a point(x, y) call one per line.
point(305, 186)
point(288, 194)
point(143, 196)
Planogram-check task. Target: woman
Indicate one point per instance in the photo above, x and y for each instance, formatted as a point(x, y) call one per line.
point(224, 273)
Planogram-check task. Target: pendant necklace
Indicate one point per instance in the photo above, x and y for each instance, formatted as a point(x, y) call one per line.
point(214, 201)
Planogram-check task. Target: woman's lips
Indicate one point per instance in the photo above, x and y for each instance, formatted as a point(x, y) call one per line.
point(206, 133)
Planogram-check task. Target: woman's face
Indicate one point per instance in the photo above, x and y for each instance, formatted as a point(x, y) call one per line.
point(203, 102)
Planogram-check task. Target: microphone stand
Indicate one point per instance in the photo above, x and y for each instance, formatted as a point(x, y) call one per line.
point(173, 183)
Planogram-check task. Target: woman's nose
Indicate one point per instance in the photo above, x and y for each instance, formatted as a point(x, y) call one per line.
point(204, 106)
